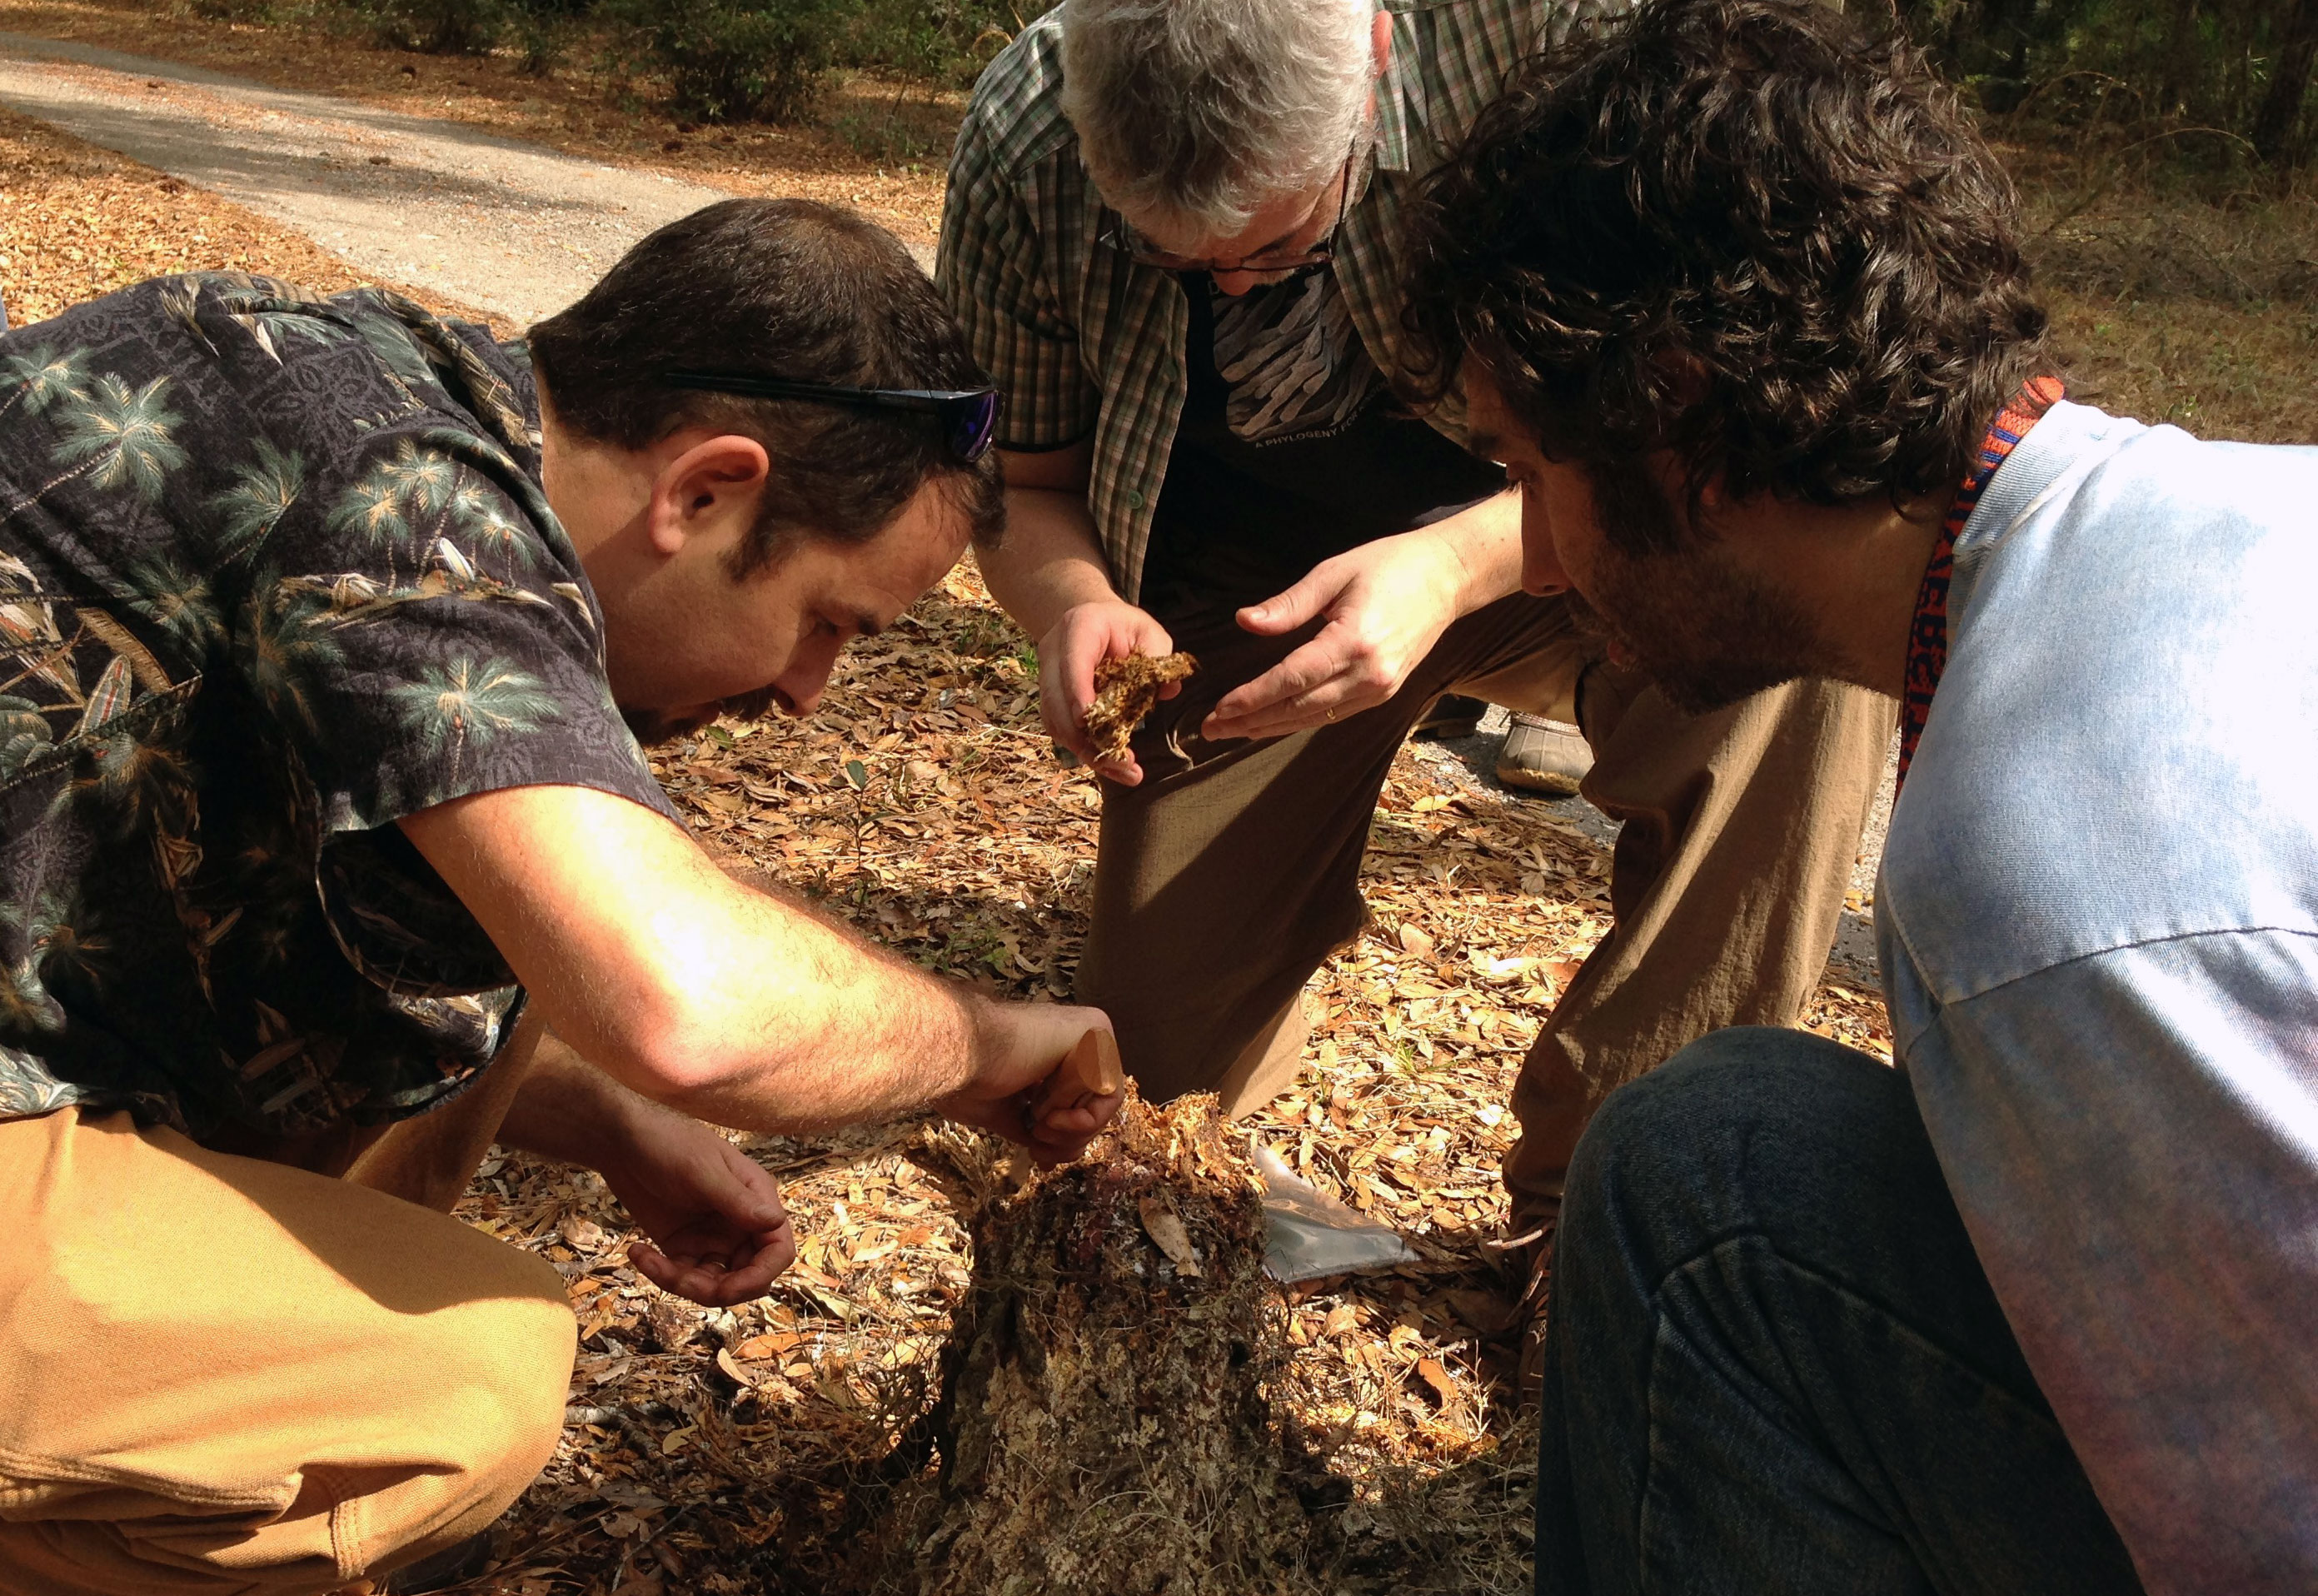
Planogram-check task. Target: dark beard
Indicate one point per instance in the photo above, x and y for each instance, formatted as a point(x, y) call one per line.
point(1707, 632)
point(657, 728)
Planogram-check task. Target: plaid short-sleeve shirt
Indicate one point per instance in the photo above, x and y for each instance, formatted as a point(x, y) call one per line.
point(1082, 341)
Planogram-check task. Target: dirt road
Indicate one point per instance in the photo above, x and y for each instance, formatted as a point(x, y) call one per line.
point(508, 228)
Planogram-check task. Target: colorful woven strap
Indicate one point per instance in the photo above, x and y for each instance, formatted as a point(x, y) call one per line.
point(1927, 640)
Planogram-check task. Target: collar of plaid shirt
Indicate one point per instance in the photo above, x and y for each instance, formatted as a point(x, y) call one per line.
point(1083, 342)
point(1928, 638)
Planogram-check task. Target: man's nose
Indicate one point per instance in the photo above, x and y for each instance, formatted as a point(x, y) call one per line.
point(1542, 572)
point(800, 686)
point(799, 692)
point(1236, 282)
point(799, 705)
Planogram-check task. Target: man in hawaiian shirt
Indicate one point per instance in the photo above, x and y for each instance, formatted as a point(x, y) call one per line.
point(326, 624)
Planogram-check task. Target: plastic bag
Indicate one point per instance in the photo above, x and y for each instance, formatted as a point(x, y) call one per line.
point(1310, 1234)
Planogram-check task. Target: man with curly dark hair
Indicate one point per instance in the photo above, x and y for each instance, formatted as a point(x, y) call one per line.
point(1734, 292)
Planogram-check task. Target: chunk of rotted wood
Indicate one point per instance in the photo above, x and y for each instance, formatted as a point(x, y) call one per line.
point(1126, 690)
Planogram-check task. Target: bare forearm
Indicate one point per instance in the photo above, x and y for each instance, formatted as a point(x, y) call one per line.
point(1050, 560)
point(1485, 540)
point(805, 1026)
point(568, 1109)
point(734, 1004)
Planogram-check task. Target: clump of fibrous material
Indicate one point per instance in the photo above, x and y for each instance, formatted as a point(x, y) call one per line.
point(1104, 1424)
point(1125, 691)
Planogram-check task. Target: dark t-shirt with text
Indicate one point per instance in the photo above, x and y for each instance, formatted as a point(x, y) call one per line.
point(1291, 448)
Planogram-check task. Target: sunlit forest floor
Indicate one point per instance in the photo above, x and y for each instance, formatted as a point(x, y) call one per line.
point(722, 1452)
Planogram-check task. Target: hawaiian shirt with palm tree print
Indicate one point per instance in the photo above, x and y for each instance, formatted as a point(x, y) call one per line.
point(274, 571)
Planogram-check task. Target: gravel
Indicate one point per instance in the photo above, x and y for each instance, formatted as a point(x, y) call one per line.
point(508, 227)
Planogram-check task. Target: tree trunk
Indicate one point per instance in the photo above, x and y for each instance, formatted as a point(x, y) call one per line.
point(2180, 49)
point(1104, 1424)
point(1997, 50)
point(2281, 107)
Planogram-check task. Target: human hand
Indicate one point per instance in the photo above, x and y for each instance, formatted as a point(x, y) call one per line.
point(1022, 1045)
point(1385, 604)
point(721, 1233)
point(1084, 636)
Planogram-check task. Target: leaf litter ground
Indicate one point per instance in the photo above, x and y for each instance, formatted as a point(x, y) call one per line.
point(727, 1451)
point(741, 1451)
point(77, 221)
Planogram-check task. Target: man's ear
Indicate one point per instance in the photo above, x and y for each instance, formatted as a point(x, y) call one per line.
point(1380, 41)
point(704, 488)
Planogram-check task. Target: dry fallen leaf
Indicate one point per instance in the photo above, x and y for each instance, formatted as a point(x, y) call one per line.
point(1164, 1226)
point(776, 1344)
point(1429, 1370)
point(1485, 1311)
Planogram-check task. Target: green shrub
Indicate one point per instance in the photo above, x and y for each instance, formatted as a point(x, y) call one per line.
point(734, 60)
point(542, 37)
point(936, 41)
point(438, 27)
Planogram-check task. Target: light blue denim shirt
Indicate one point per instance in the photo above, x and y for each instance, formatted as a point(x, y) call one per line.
point(2098, 924)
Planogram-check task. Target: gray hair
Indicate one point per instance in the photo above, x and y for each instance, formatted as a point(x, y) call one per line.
point(1198, 112)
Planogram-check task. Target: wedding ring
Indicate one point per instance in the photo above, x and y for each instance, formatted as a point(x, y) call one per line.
point(1328, 714)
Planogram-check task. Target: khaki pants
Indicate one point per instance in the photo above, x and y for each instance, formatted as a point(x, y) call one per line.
point(1232, 871)
point(222, 1374)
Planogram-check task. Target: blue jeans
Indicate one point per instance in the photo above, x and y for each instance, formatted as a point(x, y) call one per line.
point(1772, 1364)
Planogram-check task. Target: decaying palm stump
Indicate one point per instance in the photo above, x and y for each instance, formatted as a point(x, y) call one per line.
point(1103, 1426)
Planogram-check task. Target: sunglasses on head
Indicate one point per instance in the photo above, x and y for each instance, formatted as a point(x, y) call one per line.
point(969, 417)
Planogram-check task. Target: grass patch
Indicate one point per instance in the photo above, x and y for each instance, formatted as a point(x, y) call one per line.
point(2184, 291)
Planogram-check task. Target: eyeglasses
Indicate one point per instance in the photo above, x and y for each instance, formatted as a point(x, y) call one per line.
point(1124, 239)
point(968, 416)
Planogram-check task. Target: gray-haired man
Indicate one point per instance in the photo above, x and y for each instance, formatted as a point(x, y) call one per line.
point(1172, 235)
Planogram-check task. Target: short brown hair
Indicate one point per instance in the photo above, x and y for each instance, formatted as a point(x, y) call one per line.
point(789, 288)
point(1750, 231)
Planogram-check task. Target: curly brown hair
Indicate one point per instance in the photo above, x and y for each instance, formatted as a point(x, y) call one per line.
point(1751, 232)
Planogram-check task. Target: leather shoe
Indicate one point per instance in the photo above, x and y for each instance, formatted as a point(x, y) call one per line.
point(1541, 756)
